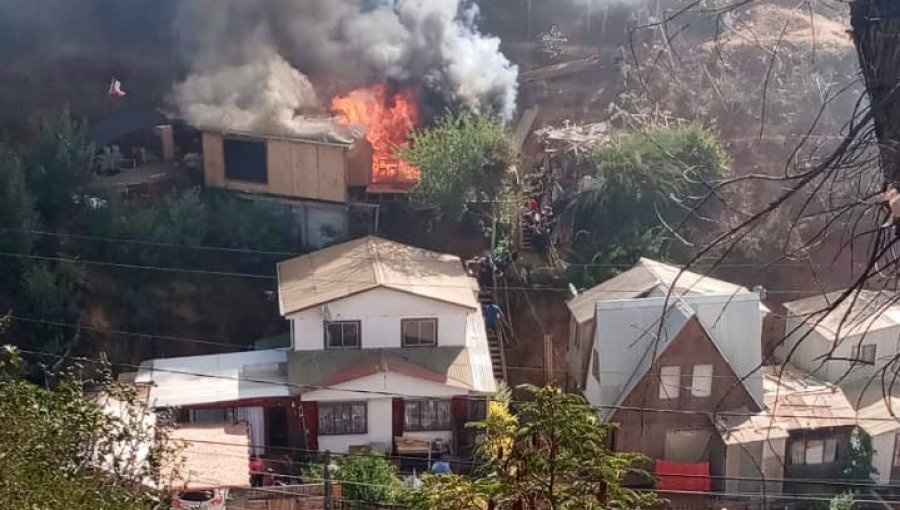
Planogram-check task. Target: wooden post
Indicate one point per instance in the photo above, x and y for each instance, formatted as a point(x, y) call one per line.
point(548, 359)
point(329, 504)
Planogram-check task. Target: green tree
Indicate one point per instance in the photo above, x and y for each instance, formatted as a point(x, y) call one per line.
point(56, 448)
point(16, 213)
point(843, 501)
point(366, 479)
point(57, 167)
point(858, 465)
point(52, 292)
point(639, 178)
point(463, 158)
point(552, 455)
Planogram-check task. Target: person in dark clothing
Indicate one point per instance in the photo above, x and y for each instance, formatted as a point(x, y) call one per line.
point(492, 316)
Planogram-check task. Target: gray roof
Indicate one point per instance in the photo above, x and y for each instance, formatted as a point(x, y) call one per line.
point(445, 365)
point(674, 319)
point(645, 278)
point(861, 312)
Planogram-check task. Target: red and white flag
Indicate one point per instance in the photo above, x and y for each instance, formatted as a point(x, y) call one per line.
point(115, 88)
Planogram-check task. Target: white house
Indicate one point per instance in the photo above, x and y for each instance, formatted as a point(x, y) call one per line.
point(846, 343)
point(388, 351)
point(647, 279)
point(388, 342)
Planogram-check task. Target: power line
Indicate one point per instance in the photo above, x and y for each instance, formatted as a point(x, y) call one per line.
point(315, 387)
point(566, 290)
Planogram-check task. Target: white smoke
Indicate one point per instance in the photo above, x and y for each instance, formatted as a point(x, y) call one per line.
point(250, 60)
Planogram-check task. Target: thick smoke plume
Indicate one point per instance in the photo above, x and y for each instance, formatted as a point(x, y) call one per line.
point(250, 61)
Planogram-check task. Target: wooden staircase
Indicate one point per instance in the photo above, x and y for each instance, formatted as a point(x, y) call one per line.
point(495, 340)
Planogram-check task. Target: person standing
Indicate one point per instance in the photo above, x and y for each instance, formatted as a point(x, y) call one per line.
point(492, 316)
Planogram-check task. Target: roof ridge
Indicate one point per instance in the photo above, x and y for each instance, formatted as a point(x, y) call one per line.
point(376, 261)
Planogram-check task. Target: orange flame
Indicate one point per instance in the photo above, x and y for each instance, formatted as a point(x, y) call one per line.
point(387, 123)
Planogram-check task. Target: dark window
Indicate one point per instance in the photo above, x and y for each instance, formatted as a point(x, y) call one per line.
point(595, 364)
point(864, 353)
point(419, 332)
point(342, 335)
point(426, 415)
point(342, 418)
point(245, 161)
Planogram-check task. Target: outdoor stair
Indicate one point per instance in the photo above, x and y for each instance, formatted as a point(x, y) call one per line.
point(498, 356)
point(495, 342)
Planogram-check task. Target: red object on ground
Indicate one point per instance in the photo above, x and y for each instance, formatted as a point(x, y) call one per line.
point(674, 476)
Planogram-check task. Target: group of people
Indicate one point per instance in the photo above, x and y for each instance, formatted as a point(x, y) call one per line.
point(539, 222)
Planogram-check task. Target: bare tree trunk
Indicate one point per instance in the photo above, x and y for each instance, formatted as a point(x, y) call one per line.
point(876, 34)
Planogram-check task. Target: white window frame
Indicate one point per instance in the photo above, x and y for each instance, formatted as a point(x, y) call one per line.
point(669, 382)
point(701, 380)
point(329, 345)
point(417, 324)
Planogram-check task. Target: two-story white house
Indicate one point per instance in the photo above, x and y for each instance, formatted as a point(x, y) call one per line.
point(388, 344)
point(388, 351)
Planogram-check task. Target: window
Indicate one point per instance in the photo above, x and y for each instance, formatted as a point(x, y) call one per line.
point(896, 450)
point(342, 335)
point(245, 160)
point(864, 353)
point(425, 415)
point(419, 332)
point(669, 382)
point(342, 418)
point(814, 451)
point(218, 415)
point(701, 381)
point(595, 364)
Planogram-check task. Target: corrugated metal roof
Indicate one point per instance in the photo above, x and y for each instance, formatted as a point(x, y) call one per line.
point(859, 313)
point(877, 406)
point(626, 336)
point(646, 276)
point(367, 263)
point(794, 401)
point(629, 329)
point(214, 378)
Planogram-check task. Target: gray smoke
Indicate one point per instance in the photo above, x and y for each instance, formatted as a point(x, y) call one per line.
point(249, 60)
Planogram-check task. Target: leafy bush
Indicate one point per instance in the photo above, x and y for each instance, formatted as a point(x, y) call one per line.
point(50, 442)
point(52, 292)
point(463, 158)
point(641, 180)
point(366, 478)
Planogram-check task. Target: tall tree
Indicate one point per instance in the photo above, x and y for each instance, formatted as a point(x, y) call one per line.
point(57, 167)
point(552, 456)
point(17, 215)
point(463, 158)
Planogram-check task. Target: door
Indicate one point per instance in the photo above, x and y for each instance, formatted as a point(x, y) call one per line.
point(277, 427)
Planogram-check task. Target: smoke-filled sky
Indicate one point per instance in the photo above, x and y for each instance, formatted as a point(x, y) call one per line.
point(251, 62)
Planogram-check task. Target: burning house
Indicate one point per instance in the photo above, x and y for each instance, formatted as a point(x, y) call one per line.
point(259, 82)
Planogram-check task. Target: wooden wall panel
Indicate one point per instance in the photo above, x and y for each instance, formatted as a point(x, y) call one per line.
point(306, 178)
point(213, 161)
point(332, 174)
point(281, 167)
